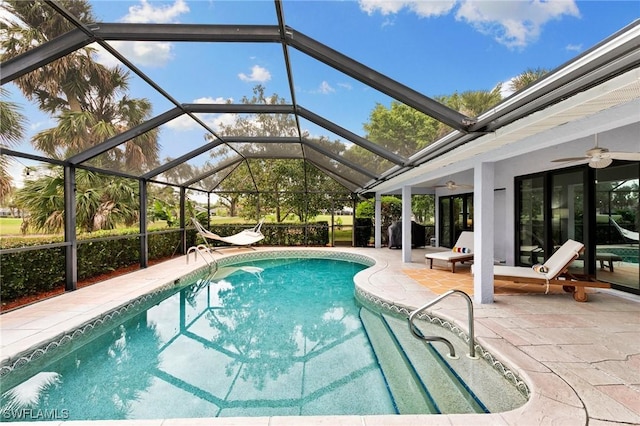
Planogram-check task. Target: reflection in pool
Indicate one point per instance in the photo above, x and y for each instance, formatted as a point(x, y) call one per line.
point(270, 337)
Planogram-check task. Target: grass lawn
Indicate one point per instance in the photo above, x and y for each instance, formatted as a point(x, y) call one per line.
point(10, 225)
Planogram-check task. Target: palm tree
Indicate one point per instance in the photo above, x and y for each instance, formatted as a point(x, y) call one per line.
point(526, 78)
point(88, 98)
point(90, 104)
point(101, 202)
point(12, 129)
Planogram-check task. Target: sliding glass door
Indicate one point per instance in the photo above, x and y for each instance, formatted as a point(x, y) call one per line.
point(597, 207)
point(456, 215)
point(617, 225)
point(531, 221)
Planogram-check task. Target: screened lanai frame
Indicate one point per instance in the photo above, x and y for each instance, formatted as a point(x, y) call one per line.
point(463, 129)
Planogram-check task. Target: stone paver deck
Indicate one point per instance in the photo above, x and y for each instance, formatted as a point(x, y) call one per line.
point(580, 360)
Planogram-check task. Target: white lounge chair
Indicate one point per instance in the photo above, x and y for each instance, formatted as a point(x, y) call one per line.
point(243, 238)
point(555, 271)
point(461, 252)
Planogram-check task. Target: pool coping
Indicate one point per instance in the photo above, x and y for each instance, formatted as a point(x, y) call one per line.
point(551, 399)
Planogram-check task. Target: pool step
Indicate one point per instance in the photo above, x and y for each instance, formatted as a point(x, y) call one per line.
point(417, 374)
point(448, 389)
point(408, 393)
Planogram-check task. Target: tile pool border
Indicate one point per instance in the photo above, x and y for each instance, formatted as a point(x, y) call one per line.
point(131, 307)
point(507, 373)
point(67, 337)
point(62, 340)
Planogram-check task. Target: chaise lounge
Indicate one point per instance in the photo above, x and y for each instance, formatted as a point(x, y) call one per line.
point(462, 251)
point(555, 271)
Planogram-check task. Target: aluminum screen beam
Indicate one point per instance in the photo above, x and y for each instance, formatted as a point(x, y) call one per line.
point(262, 139)
point(182, 159)
point(239, 108)
point(338, 158)
point(350, 136)
point(222, 166)
point(188, 32)
point(378, 81)
point(125, 136)
point(43, 55)
point(347, 183)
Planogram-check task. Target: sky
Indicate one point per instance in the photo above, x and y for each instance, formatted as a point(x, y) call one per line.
point(434, 47)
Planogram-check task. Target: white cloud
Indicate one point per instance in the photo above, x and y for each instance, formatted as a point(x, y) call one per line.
point(214, 121)
point(574, 47)
point(183, 123)
point(145, 53)
point(141, 53)
point(506, 90)
point(421, 8)
point(258, 74)
point(146, 13)
point(209, 100)
point(325, 88)
point(514, 24)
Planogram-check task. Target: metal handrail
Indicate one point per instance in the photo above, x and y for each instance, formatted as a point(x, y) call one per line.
point(452, 352)
point(201, 248)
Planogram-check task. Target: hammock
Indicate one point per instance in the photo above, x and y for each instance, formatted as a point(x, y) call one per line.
point(242, 238)
point(629, 235)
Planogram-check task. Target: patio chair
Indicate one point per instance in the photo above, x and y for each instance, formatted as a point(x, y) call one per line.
point(461, 252)
point(555, 271)
point(243, 238)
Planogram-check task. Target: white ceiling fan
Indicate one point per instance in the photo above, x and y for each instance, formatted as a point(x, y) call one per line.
point(451, 185)
point(599, 158)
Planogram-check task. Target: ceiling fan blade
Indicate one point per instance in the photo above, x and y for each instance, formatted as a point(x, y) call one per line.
point(566, 160)
point(630, 156)
point(600, 162)
point(452, 185)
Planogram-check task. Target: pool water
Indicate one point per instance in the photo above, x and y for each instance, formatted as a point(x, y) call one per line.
point(267, 337)
point(628, 254)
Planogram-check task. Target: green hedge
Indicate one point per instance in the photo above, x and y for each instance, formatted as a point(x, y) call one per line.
point(40, 270)
point(36, 271)
point(313, 234)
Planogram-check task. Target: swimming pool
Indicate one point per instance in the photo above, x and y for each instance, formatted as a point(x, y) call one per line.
point(269, 337)
point(252, 381)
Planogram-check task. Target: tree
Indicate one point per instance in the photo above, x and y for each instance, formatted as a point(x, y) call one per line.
point(474, 102)
point(405, 131)
point(400, 128)
point(526, 78)
point(101, 201)
point(423, 208)
point(12, 130)
point(90, 104)
point(289, 186)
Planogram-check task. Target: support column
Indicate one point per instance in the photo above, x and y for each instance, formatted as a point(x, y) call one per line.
point(144, 235)
point(406, 224)
point(483, 232)
point(183, 210)
point(377, 233)
point(71, 250)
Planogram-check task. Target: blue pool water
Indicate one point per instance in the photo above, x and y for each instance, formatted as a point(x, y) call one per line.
point(628, 254)
point(269, 337)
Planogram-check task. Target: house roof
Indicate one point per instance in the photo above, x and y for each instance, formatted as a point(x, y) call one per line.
point(602, 77)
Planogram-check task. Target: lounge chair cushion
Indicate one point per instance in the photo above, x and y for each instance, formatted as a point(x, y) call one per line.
point(463, 249)
point(555, 265)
